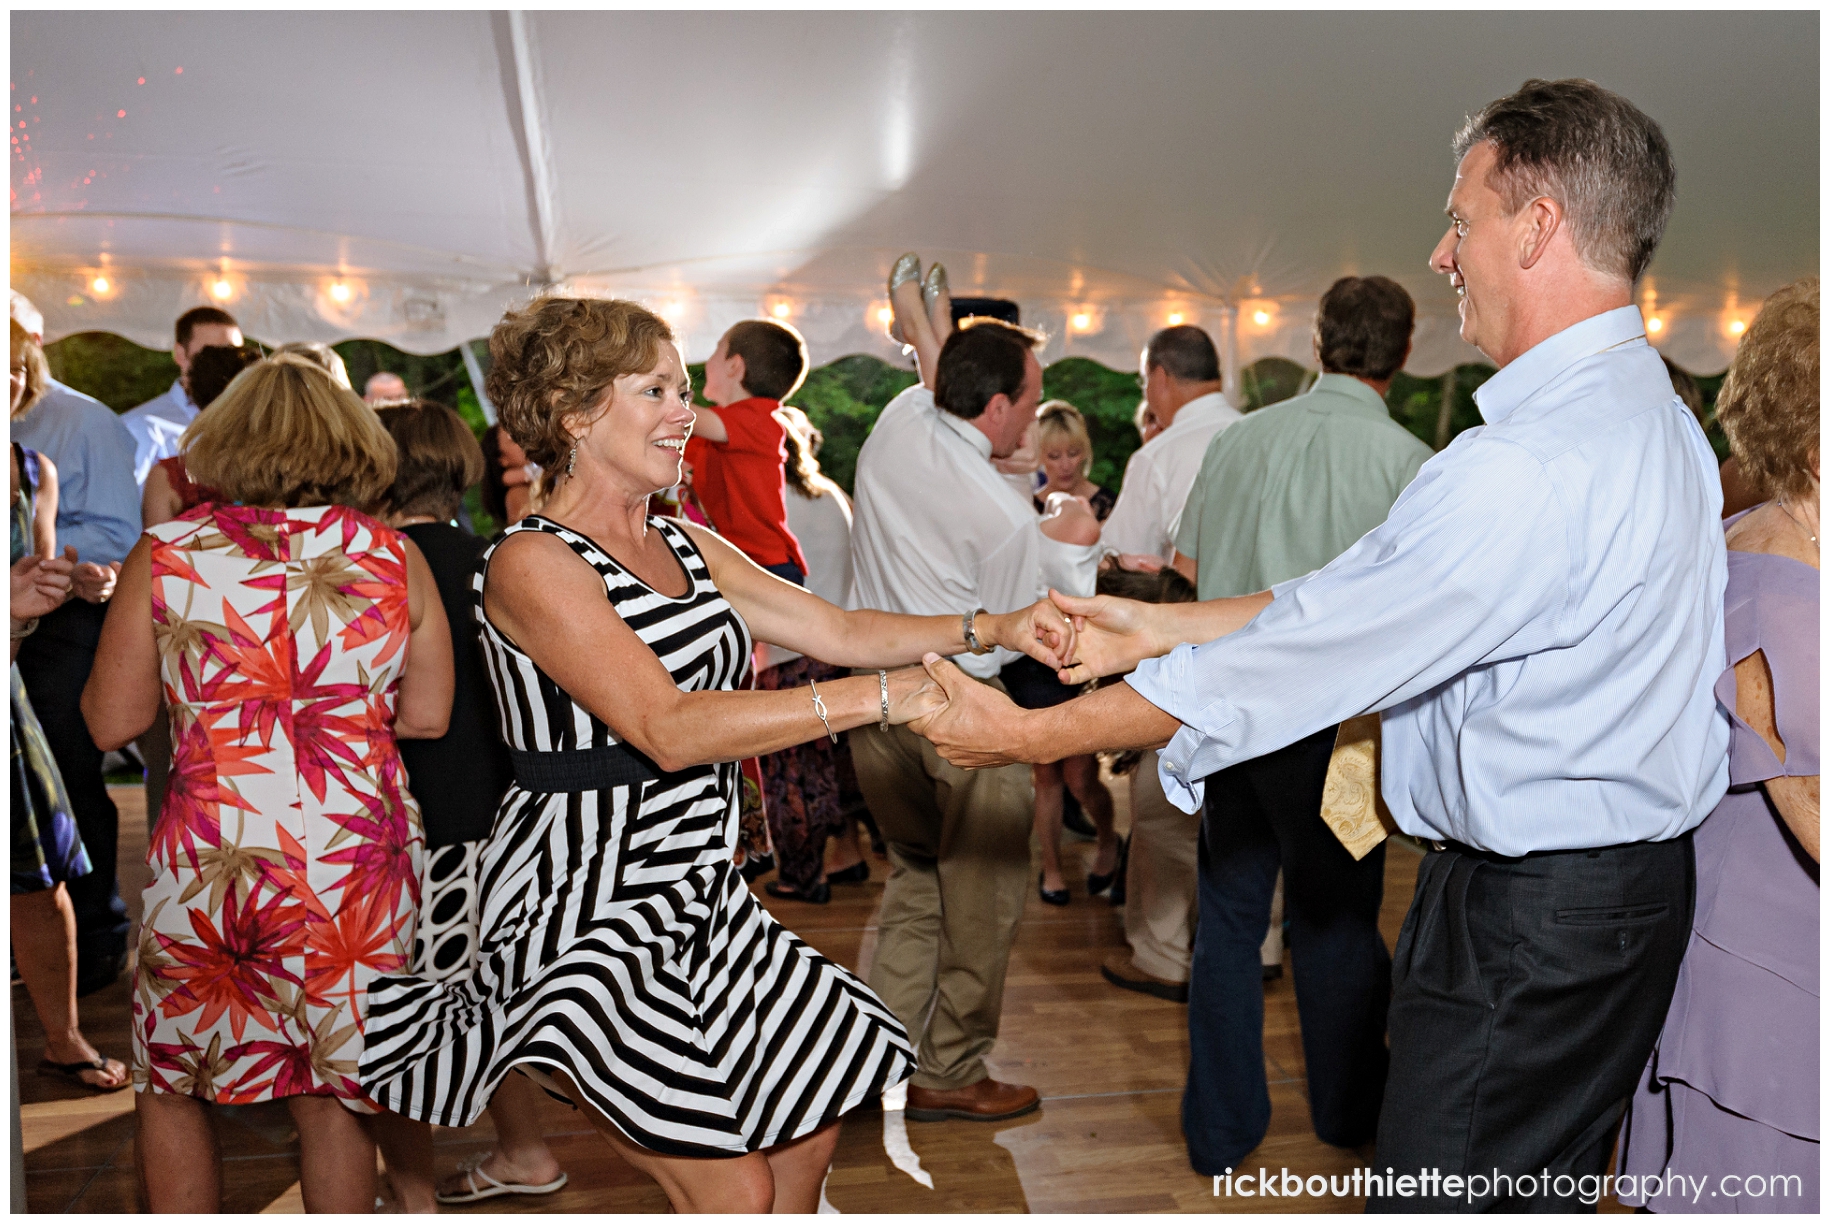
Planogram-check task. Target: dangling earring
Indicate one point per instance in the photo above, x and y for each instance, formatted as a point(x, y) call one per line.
point(572, 459)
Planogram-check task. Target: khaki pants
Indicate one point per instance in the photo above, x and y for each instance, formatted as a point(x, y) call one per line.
point(1160, 899)
point(959, 875)
point(1160, 881)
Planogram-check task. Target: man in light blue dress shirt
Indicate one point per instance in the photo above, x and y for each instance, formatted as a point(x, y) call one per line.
point(1539, 620)
point(157, 424)
point(98, 514)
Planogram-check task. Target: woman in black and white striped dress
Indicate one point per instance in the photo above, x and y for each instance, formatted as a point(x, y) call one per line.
point(621, 957)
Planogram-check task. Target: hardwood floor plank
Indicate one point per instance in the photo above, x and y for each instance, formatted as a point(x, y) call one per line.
point(1109, 1063)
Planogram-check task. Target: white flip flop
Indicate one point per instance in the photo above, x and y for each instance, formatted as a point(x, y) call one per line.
point(478, 1193)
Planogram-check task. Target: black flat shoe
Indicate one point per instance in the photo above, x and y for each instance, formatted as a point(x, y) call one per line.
point(1051, 896)
point(821, 894)
point(858, 873)
point(1097, 884)
point(1117, 894)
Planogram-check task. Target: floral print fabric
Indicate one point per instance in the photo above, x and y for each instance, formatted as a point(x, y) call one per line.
point(286, 860)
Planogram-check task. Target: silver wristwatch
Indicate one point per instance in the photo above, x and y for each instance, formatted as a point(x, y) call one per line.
point(970, 634)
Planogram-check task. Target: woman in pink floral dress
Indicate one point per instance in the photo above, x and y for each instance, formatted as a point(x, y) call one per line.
point(294, 639)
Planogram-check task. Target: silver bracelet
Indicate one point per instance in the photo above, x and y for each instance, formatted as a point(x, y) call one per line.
point(883, 695)
point(971, 634)
point(22, 630)
point(819, 707)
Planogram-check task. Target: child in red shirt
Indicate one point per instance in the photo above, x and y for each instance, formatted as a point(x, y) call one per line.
point(737, 451)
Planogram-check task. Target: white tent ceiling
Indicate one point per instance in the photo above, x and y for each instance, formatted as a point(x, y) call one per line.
point(1107, 170)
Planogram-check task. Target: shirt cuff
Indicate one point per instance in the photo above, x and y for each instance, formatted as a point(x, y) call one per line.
point(1186, 793)
point(1172, 684)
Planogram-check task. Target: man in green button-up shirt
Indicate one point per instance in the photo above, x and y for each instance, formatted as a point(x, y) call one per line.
point(1291, 487)
point(1281, 493)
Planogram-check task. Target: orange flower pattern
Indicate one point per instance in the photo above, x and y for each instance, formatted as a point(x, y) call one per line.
point(286, 860)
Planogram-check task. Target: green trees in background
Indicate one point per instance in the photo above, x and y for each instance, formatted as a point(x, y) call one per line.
point(842, 398)
point(112, 368)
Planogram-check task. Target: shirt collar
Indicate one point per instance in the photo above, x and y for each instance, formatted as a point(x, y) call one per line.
point(181, 397)
point(974, 436)
point(1363, 397)
point(1201, 410)
point(1533, 369)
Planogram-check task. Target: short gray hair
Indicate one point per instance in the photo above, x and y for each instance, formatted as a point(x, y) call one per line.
point(1593, 152)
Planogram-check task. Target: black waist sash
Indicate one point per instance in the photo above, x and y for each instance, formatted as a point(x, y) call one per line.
point(582, 769)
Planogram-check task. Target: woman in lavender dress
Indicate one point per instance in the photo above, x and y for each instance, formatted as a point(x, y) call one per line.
point(1731, 1089)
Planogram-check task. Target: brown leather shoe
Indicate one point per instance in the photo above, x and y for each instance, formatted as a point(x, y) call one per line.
point(985, 1101)
point(1119, 971)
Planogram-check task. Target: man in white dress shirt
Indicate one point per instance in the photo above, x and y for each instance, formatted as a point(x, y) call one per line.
point(1539, 623)
point(157, 424)
point(937, 530)
point(1182, 388)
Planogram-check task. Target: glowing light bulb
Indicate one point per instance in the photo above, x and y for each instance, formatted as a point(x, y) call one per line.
point(1081, 321)
point(886, 316)
point(1655, 325)
point(339, 292)
point(99, 284)
point(1261, 317)
point(781, 310)
point(1736, 327)
point(221, 290)
point(1176, 318)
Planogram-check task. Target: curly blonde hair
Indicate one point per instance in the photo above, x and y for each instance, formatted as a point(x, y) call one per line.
point(555, 359)
point(1768, 402)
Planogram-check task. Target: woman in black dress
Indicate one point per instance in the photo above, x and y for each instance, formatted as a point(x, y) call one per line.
point(459, 780)
point(1066, 451)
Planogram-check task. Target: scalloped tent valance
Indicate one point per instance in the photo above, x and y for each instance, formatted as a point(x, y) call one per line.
point(408, 175)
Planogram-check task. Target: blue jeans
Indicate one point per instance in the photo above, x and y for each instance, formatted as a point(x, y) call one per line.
point(1263, 814)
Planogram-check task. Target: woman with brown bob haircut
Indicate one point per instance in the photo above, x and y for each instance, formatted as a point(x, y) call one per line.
point(1732, 1084)
point(295, 639)
point(621, 959)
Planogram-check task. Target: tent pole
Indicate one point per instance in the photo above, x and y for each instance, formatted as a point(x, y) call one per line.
point(1229, 356)
point(539, 151)
point(475, 369)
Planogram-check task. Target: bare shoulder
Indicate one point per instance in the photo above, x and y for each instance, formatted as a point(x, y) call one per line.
point(532, 561)
point(1767, 529)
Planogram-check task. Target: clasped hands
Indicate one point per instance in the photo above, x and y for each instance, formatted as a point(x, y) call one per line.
point(40, 585)
point(975, 726)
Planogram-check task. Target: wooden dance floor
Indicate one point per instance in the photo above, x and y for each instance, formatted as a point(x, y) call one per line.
point(1109, 1064)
